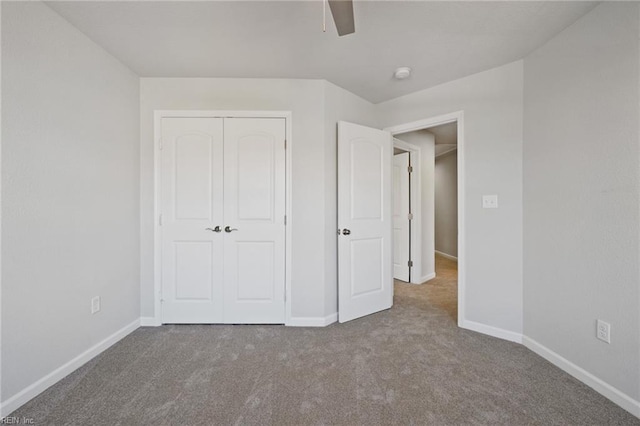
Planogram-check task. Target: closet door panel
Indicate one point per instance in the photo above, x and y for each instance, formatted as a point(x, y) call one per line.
point(254, 209)
point(191, 201)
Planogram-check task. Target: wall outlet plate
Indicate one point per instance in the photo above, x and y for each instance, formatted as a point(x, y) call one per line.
point(95, 305)
point(603, 331)
point(489, 201)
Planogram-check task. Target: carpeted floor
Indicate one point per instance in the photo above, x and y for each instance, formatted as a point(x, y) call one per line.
point(408, 365)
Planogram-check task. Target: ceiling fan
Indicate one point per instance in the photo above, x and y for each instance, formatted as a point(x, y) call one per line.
point(342, 12)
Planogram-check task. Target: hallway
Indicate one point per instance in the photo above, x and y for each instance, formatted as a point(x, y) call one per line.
point(441, 293)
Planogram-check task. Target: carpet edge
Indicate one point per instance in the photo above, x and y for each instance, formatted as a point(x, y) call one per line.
point(25, 395)
point(603, 388)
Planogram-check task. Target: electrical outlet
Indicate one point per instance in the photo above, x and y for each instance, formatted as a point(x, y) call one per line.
point(95, 304)
point(603, 331)
point(489, 201)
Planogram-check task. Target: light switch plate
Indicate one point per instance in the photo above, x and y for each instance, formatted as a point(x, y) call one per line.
point(489, 201)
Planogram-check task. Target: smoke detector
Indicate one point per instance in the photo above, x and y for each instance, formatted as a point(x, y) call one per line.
point(402, 73)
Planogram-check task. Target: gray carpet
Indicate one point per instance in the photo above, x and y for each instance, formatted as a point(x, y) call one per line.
point(409, 365)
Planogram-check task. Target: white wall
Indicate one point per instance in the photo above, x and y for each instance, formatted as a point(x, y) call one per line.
point(446, 203)
point(305, 99)
point(426, 142)
point(339, 105)
point(581, 194)
point(70, 198)
point(492, 105)
point(1, 212)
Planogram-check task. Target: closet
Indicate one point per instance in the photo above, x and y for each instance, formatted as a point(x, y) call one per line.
point(222, 205)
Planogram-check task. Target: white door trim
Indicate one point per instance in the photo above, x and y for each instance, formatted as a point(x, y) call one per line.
point(458, 117)
point(158, 115)
point(416, 208)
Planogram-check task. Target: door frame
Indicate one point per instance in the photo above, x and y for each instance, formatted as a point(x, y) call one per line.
point(158, 115)
point(416, 208)
point(457, 117)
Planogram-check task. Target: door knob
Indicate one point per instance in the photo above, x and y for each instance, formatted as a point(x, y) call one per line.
point(345, 231)
point(229, 229)
point(216, 229)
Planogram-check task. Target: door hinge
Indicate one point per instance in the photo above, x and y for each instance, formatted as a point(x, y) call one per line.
point(160, 219)
point(410, 169)
point(410, 263)
point(410, 216)
point(285, 219)
point(160, 144)
point(285, 144)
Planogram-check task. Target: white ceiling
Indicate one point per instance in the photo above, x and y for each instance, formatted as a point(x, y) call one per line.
point(445, 134)
point(441, 41)
point(445, 137)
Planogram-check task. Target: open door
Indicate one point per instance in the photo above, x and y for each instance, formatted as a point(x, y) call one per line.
point(401, 217)
point(365, 279)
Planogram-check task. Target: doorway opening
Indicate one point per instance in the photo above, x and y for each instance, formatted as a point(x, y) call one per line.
point(438, 261)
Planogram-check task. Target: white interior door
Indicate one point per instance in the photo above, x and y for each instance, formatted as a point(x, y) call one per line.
point(254, 210)
point(401, 210)
point(191, 205)
point(365, 280)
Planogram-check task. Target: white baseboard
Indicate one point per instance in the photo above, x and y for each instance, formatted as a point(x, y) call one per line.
point(445, 255)
point(599, 385)
point(149, 322)
point(500, 333)
point(427, 277)
point(313, 321)
point(31, 391)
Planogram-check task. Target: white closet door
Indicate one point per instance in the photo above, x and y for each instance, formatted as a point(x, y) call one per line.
point(365, 280)
point(191, 191)
point(254, 209)
point(401, 238)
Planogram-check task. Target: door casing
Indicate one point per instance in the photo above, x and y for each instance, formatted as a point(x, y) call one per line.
point(158, 115)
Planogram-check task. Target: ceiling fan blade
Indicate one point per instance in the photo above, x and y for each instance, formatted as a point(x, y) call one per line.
point(342, 11)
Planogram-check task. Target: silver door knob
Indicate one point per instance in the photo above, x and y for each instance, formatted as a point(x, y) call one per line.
point(216, 229)
point(229, 229)
point(345, 231)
